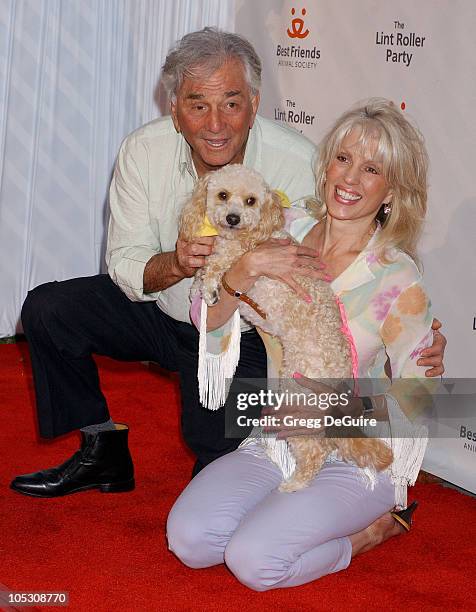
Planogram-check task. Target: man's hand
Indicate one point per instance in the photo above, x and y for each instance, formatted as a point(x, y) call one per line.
point(165, 269)
point(189, 256)
point(433, 355)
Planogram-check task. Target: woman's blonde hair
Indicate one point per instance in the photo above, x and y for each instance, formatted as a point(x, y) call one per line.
point(401, 149)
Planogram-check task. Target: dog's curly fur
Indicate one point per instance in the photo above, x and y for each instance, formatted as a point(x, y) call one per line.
point(311, 335)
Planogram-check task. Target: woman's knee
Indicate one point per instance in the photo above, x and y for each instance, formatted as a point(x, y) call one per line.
point(189, 539)
point(250, 562)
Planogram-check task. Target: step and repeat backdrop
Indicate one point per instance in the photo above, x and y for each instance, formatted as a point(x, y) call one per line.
point(319, 58)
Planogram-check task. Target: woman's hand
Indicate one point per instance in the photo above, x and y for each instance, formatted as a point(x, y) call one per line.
point(280, 259)
point(276, 258)
point(433, 355)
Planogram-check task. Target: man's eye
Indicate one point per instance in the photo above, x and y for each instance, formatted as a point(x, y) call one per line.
point(232, 105)
point(223, 195)
point(250, 201)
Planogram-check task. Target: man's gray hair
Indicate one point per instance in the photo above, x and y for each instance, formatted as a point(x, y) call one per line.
point(200, 54)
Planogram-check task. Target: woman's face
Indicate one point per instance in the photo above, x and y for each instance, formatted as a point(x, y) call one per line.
point(355, 186)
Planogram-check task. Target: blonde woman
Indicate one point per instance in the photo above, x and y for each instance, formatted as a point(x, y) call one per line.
point(371, 185)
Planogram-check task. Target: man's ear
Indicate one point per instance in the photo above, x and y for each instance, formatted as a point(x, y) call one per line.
point(254, 107)
point(173, 114)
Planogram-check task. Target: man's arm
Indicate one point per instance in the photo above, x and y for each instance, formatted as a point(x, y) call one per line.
point(161, 272)
point(165, 269)
point(134, 258)
point(131, 240)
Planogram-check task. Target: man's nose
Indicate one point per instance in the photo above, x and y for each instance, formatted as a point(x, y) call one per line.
point(214, 121)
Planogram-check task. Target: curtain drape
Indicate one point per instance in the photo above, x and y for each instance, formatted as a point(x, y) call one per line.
point(76, 76)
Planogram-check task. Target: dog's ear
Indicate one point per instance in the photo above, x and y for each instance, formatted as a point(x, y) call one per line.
point(272, 218)
point(193, 213)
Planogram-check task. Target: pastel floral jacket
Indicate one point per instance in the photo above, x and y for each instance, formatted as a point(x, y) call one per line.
point(388, 314)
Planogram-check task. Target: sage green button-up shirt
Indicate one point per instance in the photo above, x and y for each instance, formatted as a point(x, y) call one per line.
point(153, 177)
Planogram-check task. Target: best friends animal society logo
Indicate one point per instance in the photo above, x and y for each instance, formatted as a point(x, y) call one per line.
point(300, 56)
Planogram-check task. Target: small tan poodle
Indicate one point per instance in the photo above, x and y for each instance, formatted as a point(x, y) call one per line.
point(246, 212)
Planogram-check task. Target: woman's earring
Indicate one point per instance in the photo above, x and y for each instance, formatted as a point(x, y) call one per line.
point(387, 208)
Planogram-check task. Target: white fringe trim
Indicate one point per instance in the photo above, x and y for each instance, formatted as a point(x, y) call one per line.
point(408, 452)
point(215, 369)
point(277, 450)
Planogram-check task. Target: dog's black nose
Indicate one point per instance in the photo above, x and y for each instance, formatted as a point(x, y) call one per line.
point(232, 219)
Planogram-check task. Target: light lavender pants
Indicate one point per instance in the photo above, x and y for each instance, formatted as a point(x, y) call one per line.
point(232, 513)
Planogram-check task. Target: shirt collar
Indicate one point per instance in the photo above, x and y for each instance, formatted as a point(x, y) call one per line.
point(185, 159)
point(252, 151)
point(359, 271)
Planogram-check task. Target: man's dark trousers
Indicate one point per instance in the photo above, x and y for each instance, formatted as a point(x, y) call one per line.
point(67, 322)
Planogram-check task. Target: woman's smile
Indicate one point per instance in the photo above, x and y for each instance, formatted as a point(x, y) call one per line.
point(344, 196)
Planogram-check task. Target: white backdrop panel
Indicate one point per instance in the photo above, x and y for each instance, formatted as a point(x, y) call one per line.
point(319, 58)
point(76, 77)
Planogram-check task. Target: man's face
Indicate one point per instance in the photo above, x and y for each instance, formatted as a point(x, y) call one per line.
point(214, 115)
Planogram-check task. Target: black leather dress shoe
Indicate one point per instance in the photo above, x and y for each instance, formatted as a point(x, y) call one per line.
point(103, 462)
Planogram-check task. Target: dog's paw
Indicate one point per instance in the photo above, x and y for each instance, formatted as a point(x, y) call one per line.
point(211, 297)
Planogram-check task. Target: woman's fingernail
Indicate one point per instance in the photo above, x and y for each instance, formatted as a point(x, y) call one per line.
point(297, 375)
point(328, 277)
point(308, 299)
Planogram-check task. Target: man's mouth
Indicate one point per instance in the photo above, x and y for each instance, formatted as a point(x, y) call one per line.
point(216, 143)
point(347, 196)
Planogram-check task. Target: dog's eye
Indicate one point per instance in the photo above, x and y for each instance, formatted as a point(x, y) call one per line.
point(251, 201)
point(223, 195)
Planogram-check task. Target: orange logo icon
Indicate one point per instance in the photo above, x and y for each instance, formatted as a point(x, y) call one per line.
point(297, 25)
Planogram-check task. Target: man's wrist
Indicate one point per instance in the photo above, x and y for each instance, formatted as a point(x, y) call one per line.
point(176, 269)
point(161, 272)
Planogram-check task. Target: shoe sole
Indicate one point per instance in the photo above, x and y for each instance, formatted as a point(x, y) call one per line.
point(403, 522)
point(111, 487)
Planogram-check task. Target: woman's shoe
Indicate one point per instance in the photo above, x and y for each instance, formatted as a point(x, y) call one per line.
point(404, 517)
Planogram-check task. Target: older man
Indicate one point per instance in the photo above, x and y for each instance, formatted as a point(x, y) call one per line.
point(141, 310)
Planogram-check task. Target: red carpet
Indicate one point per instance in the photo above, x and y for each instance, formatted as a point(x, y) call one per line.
point(109, 551)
